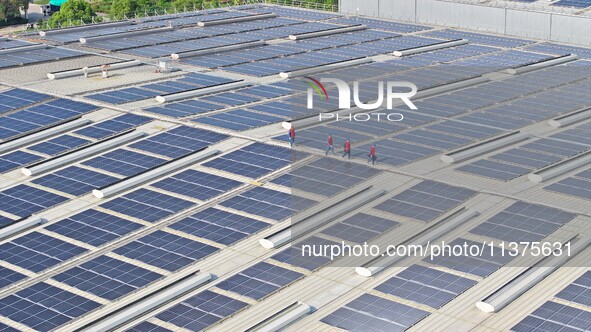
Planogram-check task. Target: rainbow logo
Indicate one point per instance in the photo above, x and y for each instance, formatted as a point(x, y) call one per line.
point(316, 85)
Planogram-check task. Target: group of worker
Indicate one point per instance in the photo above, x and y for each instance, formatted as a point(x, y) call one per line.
point(330, 147)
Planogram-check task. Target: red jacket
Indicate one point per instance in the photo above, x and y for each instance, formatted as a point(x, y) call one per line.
point(329, 140)
point(292, 132)
point(347, 145)
point(372, 151)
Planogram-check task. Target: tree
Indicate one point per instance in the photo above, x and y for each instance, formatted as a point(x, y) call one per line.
point(24, 4)
point(181, 5)
point(122, 8)
point(73, 11)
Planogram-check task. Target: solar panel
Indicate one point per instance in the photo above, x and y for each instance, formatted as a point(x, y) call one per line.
point(113, 126)
point(201, 310)
point(523, 222)
point(219, 226)
point(579, 291)
point(259, 280)
point(17, 159)
point(426, 286)
point(360, 228)
point(482, 265)
point(37, 252)
point(147, 327)
point(372, 313)
point(8, 276)
point(24, 200)
point(165, 250)
point(124, 162)
point(44, 307)
point(268, 203)
point(179, 141)
point(94, 227)
point(196, 184)
point(147, 205)
point(75, 180)
point(578, 185)
point(107, 277)
point(253, 161)
point(58, 145)
point(552, 316)
point(426, 201)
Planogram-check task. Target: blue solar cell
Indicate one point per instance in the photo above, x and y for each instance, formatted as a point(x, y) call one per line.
point(426, 286)
point(94, 227)
point(202, 310)
point(268, 203)
point(75, 180)
point(44, 307)
point(179, 141)
point(37, 252)
point(165, 250)
point(552, 316)
point(253, 161)
point(23, 200)
point(113, 126)
point(124, 162)
point(372, 313)
point(107, 277)
point(197, 184)
point(219, 226)
point(259, 280)
point(58, 145)
point(579, 291)
point(147, 205)
point(147, 327)
point(360, 228)
point(17, 159)
point(5, 221)
point(7, 277)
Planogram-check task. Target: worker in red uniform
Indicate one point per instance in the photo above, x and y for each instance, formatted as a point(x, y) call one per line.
point(372, 155)
point(329, 145)
point(291, 135)
point(347, 149)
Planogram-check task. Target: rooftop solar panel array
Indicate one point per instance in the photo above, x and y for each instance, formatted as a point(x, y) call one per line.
point(23, 57)
point(381, 25)
point(372, 313)
point(553, 316)
point(41, 116)
point(426, 286)
point(426, 201)
point(523, 222)
point(579, 291)
point(479, 38)
point(23, 200)
point(578, 185)
point(360, 228)
point(16, 98)
point(191, 81)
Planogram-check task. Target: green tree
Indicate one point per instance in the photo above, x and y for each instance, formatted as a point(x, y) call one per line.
point(73, 11)
point(181, 5)
point(122, 8)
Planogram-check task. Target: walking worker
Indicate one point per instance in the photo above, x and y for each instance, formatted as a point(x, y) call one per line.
point(372, 155)
point(347, 149)
point(330, 146)
point(291, 135)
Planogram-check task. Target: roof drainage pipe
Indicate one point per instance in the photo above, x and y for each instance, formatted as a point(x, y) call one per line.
point(23, 49)
point(21, 225)
point(200, 92)
point(507, 293)
point(320, 69)
point(149, 303)
point(76, 155)
point(327, 32)
point(236, 19)
point(443, 227)
point(41, 135)
point(152, 174)
point(559, 169)
point(90, 70)
point(125, 34)
point(283, 318)
point(217, 49)
point(483, 147)
point(306, 225)
point(85, 28)
point(433, 47)
point(574, 117)
point(542, 64)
